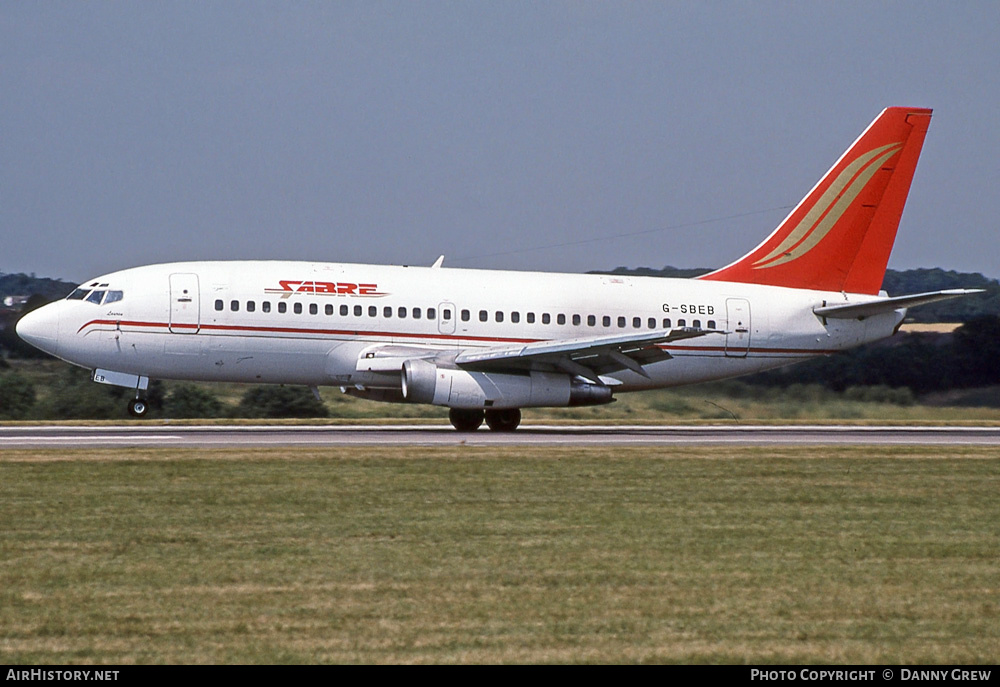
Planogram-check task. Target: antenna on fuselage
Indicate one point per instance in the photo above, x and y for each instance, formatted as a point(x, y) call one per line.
point(437, 263)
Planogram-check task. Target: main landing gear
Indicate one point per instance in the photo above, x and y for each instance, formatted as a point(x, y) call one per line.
point(499, 420)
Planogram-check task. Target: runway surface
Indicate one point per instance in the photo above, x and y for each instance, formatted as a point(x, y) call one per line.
point(37, 437)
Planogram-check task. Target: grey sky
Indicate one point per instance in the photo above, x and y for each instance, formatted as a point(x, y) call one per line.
point(133, 133)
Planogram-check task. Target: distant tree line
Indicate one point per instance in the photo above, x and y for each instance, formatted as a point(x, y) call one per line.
point(74, 397)
point(29, 284)
point(39, 290)
point(921, 362)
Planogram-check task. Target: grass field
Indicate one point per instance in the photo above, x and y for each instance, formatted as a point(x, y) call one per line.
point(840, 555)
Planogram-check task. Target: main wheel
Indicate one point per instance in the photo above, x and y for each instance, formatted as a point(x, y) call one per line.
point(503, 419)
point(137, 408)
point(465, 419)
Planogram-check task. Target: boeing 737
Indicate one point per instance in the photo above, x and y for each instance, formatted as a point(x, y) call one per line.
point(487, 343)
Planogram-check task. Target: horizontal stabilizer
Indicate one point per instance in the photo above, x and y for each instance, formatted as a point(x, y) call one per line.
point(850, 311)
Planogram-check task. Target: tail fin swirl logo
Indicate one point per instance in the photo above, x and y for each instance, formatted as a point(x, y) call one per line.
point(816, 224)
point(840, 235)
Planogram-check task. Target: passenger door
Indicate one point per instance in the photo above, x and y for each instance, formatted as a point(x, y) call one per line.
point(737, 327)
point(185, 303)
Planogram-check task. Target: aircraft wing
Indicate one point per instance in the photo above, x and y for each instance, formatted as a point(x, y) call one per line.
point(849, 311)
point(587, 357)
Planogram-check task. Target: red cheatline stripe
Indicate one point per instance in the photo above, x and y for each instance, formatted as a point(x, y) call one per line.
point(302, 330)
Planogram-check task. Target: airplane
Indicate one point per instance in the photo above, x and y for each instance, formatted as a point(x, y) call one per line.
point(487, 343)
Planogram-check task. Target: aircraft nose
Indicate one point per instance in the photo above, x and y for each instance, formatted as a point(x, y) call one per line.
point(40, 328)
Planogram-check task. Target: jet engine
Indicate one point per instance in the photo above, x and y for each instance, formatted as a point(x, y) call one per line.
point(425, 382)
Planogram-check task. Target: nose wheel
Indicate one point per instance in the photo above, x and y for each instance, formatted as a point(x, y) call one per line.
point(137, 407)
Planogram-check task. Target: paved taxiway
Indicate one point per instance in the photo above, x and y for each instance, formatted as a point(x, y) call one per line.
point(36, 437)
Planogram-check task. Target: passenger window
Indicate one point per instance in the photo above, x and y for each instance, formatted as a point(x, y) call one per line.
point(621, 323)
point(483, 316)
point(234, 306)
point(219, 304)
point(515, 317)
point(652, 323)
point(666, 323)
point(372, 311)
point(591, 320)
point(696, 323)
point(266, 306)
point(711, 324)
point(531, 318)
point(387, 311)
point(344, 310)
point(637, 323)
point(681, 323)
point(499, 315)
point(328, 309)
point(446, 314)
point(465, 316)
point(545, 318)
point(401, 312)
point(282, 306)
point(357, 311)
point(297, 307)
point(431, 313)
point(560, 319)
point(576, 320)
point(606, 321)
point(251, 306)
point(416, 313)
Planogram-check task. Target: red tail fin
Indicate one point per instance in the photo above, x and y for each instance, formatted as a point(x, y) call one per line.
point(838, 238)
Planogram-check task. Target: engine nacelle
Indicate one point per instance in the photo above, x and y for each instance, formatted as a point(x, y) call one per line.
point(425, 382)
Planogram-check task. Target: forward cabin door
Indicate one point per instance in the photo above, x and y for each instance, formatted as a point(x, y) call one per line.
point(185, 304)
point(737, 327)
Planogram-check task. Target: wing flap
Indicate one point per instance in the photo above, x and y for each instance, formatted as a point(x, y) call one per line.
point(587, 357)
point(579, 348)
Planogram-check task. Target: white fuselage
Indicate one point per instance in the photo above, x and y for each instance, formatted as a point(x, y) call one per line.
point(311, 323)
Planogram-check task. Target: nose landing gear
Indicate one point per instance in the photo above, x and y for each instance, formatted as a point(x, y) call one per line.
point(138, 408)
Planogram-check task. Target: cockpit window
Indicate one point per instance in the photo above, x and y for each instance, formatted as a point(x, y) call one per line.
point(96, 296)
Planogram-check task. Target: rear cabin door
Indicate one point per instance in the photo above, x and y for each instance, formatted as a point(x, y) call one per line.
point(185, 304)
point(738, 327)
